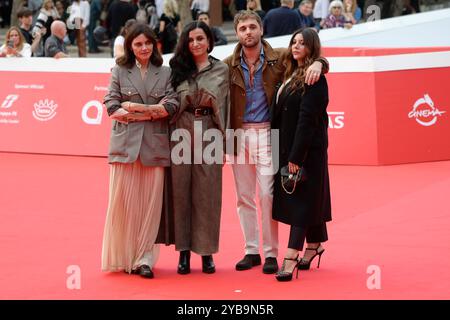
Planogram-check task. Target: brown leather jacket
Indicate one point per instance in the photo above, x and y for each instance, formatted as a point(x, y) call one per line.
point(273, 72)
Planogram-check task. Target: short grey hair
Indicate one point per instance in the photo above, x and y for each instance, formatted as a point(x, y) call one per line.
point(335, 3)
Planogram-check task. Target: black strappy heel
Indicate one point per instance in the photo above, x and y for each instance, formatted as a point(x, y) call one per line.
point(305, 265)
point(283, 275)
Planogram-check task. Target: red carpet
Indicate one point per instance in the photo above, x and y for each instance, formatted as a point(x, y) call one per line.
point(395, 217)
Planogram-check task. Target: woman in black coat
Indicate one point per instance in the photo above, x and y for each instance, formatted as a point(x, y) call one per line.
point(299, 112)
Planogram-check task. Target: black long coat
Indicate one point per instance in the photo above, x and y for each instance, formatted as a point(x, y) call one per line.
point(303, 140)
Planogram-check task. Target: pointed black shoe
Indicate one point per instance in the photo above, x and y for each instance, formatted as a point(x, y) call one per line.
point(249, 261)
point(208, 264)
point(184, 263)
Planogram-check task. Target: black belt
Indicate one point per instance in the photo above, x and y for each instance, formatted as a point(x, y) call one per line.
point(200, 111)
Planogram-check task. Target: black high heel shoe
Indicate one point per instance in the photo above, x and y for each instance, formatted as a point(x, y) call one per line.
point(208, 264)
point(184, 263)
point(305, 264)
point(283, 275)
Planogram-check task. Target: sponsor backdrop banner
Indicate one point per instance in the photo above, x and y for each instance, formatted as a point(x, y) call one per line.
point(413, 115)
point(375, 117)
point(58, 113)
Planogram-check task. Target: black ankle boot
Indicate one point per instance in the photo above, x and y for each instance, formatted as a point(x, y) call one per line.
point(208, 264)
point(184, 264)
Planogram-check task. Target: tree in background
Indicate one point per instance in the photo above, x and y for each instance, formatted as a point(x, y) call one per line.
point(185, 12)
point(16, 6)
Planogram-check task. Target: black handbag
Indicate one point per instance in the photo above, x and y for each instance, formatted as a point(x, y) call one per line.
point(289, 180)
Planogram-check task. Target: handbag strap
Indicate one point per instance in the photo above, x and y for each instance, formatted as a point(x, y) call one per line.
point(295, 183)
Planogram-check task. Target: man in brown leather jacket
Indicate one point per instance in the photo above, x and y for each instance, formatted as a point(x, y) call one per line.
point(256, 72)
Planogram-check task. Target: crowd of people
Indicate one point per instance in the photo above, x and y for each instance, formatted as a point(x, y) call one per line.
point(91, 24)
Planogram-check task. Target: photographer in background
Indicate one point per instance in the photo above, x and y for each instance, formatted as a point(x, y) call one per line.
point(44, 20)
point(15, 45)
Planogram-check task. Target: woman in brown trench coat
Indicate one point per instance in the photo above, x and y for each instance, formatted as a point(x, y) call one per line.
point(201, 82)
point(299, 112)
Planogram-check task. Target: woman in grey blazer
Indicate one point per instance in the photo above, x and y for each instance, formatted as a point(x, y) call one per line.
point(140, 101)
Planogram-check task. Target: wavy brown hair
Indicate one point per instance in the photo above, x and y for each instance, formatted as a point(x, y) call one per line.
point(21, 38)
point(128, 59)
point(311, 42)
point(244, 15)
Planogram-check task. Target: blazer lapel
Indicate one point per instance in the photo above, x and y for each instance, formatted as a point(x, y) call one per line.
point(277, 106)
point(152, 78)
point(283, 95)
point(134, 74)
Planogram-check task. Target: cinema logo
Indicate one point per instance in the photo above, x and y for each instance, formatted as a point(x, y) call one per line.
point(336, 119)
point(44, 110)
point(424, 112)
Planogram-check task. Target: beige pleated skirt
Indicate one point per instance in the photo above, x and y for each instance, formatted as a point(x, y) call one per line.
point(133, 217)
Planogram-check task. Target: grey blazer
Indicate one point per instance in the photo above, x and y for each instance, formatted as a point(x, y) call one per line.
point(147, 139)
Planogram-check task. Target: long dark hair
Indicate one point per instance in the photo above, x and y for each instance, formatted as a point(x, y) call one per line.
point(311, 42)
point(182, 63)
point(128, 59)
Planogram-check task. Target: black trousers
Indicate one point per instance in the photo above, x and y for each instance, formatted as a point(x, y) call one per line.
point(312, 234)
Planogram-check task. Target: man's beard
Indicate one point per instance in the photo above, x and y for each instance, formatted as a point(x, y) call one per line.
point(253, 44)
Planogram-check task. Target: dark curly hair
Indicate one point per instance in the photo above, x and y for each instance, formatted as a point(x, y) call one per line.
point(182, 63)
point(312, 45)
